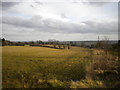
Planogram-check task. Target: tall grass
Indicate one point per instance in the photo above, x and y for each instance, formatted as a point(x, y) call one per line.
point(41, 67)
point(104, 67)
point(24, 66)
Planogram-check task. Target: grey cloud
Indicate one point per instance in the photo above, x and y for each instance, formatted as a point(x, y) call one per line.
point(32, 6)
point(22, 22)
point(38, 2)
point(105, 27)
point(7, 5)
point(39, 24)
point(101, 2)
point(119, 17)
point(98, 3)
point(63, 15)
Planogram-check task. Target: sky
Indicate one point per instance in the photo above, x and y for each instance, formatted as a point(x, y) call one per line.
point(65, 21)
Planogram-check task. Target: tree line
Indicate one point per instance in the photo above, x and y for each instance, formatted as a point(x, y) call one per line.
point(5, 42)
point(100, 44)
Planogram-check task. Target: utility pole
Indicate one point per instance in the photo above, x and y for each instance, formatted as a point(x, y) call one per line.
point(98, 42)
point(98, 38)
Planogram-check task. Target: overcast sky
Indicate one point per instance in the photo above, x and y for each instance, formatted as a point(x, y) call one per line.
point(64, 21)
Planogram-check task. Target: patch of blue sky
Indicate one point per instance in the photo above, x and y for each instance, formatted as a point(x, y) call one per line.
point(16, 14)
point(74, 19)
point(111, 9)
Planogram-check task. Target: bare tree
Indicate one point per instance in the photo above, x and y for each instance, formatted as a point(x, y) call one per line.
point(105, 44)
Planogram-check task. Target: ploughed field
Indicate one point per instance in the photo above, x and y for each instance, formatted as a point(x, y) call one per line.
point(42, 67)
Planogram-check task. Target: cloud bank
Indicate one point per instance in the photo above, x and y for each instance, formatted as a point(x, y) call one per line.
point(63, 21)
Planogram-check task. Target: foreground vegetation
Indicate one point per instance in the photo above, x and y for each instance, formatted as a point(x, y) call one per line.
point(41, 67)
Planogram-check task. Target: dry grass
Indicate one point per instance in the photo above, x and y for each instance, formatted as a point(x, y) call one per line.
point(87, 83)
point(42, 63)
point(41, 67)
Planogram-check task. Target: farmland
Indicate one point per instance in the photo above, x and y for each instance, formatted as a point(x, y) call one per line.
point(41, 67)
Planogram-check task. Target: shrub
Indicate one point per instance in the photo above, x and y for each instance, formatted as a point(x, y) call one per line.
point(103, 67)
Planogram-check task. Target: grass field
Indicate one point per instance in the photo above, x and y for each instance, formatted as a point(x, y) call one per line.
point(41, 67)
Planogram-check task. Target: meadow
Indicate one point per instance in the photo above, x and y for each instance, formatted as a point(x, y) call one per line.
point(42, 67)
